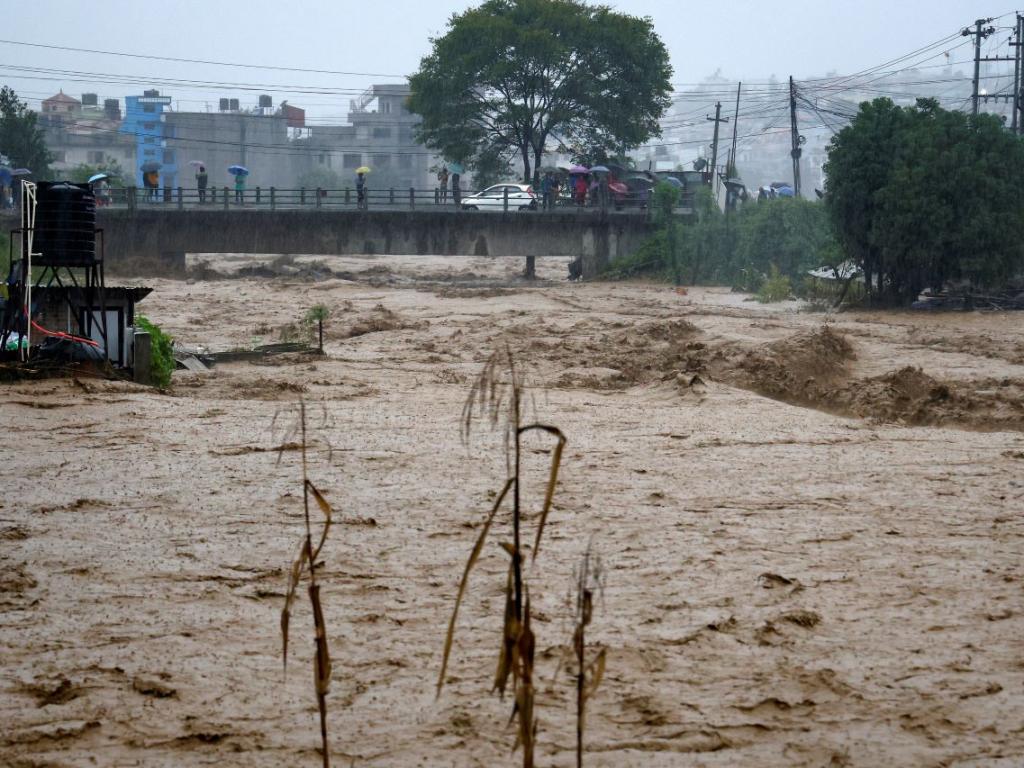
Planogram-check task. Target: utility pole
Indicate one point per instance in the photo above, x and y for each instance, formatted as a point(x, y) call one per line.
point(735, 123)
point(1018, 72)
point(980, 32)
point(795, 138)
point(714, 143)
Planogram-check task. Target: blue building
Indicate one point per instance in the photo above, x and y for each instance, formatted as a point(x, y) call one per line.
point(144, 119)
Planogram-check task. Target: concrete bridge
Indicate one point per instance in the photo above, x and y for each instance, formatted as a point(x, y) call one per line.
point(165, 235)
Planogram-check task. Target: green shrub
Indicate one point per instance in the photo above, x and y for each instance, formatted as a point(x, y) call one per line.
point(776, 287)
point(162, 355)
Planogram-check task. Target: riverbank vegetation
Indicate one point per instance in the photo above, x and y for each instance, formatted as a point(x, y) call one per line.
point(917, 197)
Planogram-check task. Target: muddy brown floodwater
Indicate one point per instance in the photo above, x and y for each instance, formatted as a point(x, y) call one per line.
point(810, 526)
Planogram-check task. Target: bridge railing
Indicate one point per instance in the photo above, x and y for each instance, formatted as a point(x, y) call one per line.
point(348, 198)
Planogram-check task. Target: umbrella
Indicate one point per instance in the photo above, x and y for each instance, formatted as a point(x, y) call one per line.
point(151, 167)
point(579, 169)
point(238, 170)
point(785, 192)
point(674, 181)
point(196, 163)
point(452, 168)
point(21, 172)
point(98, 177)
point(600, 169)
point(363, 169)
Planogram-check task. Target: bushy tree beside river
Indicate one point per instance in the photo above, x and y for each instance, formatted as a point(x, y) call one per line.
point(919, 196)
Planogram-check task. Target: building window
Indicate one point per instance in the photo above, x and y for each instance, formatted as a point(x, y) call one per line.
point(350, 161)
point(382, 133)
point(148, 108)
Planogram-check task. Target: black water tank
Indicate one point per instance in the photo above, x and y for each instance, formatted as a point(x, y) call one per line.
point(65, 233)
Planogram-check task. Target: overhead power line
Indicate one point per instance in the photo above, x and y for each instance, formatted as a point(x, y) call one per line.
point(197, 61)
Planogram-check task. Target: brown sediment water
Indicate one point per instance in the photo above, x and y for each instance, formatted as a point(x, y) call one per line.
point(810, 526)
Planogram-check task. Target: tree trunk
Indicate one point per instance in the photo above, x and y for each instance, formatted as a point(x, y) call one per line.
point(525, 152)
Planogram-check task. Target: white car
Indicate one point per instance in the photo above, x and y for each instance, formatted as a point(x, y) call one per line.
point(520, 198)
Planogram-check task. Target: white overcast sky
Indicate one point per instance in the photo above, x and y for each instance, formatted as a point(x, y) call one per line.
point(745, 39)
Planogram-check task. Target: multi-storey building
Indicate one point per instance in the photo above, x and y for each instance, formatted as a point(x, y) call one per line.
point(256, 138)
point(380, 135)
point(82, 133)
point(144, 121)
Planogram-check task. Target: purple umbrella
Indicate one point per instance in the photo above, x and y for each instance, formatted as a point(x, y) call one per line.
point(577, 169)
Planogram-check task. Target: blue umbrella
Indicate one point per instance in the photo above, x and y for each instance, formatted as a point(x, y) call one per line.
point(673, 181)
point(238, 170)
point(785, 192)
point(455, 168)
point(98, 177)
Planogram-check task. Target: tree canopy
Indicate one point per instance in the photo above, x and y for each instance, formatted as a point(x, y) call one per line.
point(919, 196)
point(21, 138)
point(110, 166)
point(523, 76)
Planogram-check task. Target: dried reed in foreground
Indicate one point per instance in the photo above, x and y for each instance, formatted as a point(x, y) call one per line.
point(497, 396)
point(306, 563)
point(588, 676)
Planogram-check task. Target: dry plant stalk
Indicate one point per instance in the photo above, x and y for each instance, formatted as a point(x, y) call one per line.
point(497, 396)
point(588, 676)
point(306, 562)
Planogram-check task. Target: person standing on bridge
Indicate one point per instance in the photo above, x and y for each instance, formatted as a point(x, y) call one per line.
point(240, 188)
point(151, 181)
point(548, 185)
point(360, 190)
point(442, 180)
point(201, 180)
point(581, 190)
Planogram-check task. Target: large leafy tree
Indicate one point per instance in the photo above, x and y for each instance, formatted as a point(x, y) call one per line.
point(920, 196)
point(529, 75)
point(21, 138)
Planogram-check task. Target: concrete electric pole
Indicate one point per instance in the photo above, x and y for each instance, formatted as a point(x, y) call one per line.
point(735, 123)
point(794, 131)
point(980, 32)
point(714, 144)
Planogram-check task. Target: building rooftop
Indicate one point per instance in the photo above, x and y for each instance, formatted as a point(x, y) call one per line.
point(61, 98)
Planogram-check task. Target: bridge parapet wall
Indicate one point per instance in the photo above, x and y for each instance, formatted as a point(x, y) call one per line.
point(165, 236)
